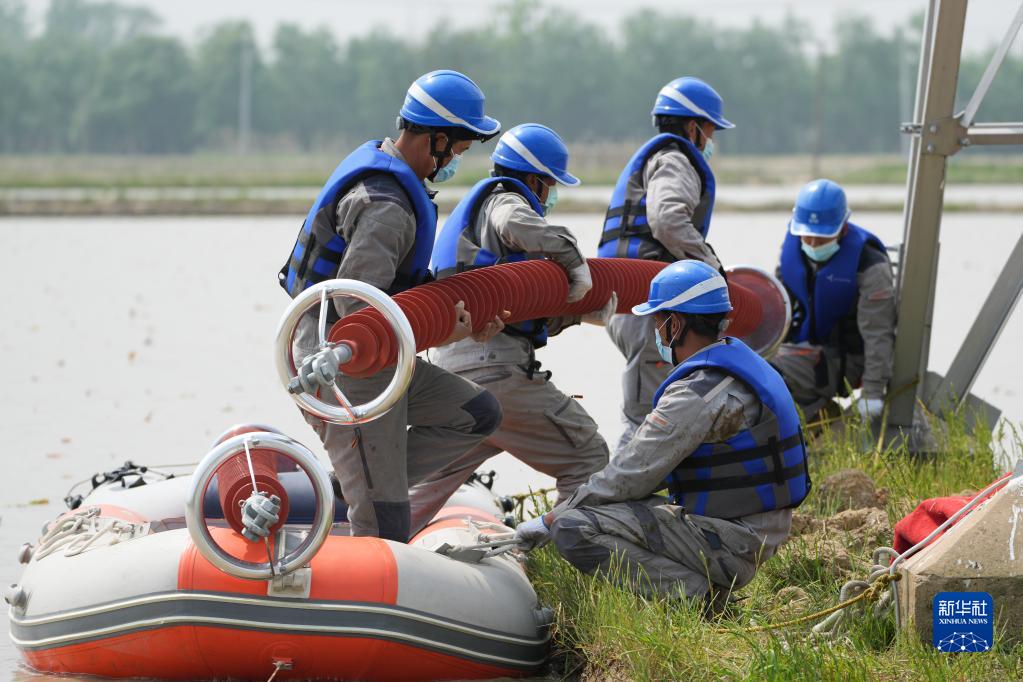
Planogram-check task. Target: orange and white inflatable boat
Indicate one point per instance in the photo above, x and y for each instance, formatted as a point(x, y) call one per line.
point(129, 585)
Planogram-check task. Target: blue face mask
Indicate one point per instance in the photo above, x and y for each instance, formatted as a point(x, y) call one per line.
point(820, 254)
point(551, 201)
point(708, 144)
point(665, 352)
point(708, 149)
point(448, 171)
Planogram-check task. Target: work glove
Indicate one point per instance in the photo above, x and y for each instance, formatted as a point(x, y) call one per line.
point(532, 534)
point(259, 515)
point(870, 408)
point(579, 282)
point(600, 317)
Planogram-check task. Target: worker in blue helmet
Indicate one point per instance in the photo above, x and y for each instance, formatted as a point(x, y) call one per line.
point(842, 288)
point(660, 210)
point(506, 218)
point(375, 221)
point(723, 437)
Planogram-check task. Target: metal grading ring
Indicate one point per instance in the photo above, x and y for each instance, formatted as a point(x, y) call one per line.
point(320, 294)
point(301, 555)
point(770, 334)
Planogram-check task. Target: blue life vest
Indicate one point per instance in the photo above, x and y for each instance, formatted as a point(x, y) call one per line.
point(451, 255)
point(625, 225)
point(829, 294)
point(759, 469)
point(319, 249)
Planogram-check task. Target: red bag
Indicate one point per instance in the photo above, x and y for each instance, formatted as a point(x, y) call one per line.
point(927, 516)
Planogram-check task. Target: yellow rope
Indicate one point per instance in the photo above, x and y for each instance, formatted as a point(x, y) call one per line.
point(871, 594)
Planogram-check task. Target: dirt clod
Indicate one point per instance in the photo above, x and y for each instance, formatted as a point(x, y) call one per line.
point(792, 593)
point(852, 489)
point(865, 528)
point(792, 601)
point(804, 523)
point(843, 543)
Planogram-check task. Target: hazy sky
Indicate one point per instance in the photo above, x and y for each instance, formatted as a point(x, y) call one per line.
point(986, 19)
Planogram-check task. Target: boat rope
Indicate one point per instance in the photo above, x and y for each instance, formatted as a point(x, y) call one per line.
point(77, 532)
point(831, 626)
point(872, 592)
point(499, 541)
point(129, 475)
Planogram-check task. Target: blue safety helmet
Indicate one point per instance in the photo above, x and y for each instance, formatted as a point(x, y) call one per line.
point(691, 98)
point(821, 210)
point(687, 286)
point(533, 148)
point(445, 99)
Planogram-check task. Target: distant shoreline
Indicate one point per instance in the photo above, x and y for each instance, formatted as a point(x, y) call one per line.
point(286, 183)
point(294, 201)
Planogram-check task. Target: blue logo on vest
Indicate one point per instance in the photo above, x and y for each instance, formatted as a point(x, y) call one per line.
point(963, 621)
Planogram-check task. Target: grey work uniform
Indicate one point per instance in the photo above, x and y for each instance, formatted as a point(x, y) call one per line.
point(672, 189)
point(615, 524)
point(542, 426)
point(440, 417)
point(860, 348)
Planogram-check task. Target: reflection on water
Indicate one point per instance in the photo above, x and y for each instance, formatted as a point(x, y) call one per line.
point(144, 338)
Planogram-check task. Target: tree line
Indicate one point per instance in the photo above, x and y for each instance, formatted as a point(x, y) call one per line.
point(100, 77)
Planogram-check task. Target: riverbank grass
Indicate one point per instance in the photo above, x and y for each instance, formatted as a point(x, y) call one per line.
point(603, 632)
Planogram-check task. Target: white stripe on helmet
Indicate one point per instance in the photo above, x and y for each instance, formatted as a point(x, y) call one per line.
point(522, 150)
point(423, 97)
point(674, 94)
point(706, 286)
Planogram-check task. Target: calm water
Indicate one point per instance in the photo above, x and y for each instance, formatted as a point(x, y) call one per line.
point(144, 338)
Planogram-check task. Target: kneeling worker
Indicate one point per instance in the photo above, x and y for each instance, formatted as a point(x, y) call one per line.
point(504, 219)
point(842, 289)
point(724, 437)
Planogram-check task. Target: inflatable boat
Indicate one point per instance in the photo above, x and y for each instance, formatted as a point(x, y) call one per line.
point(118, 587)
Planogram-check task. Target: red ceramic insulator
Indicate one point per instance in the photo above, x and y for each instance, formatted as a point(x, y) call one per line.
point(234, 483)
point(747, 313)
point(528, 290)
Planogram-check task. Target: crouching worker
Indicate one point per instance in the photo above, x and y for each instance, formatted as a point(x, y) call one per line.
point(842, 288)
point(503, 219)
point(724, 437)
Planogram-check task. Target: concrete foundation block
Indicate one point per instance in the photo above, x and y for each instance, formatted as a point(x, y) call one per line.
point(981, 553)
